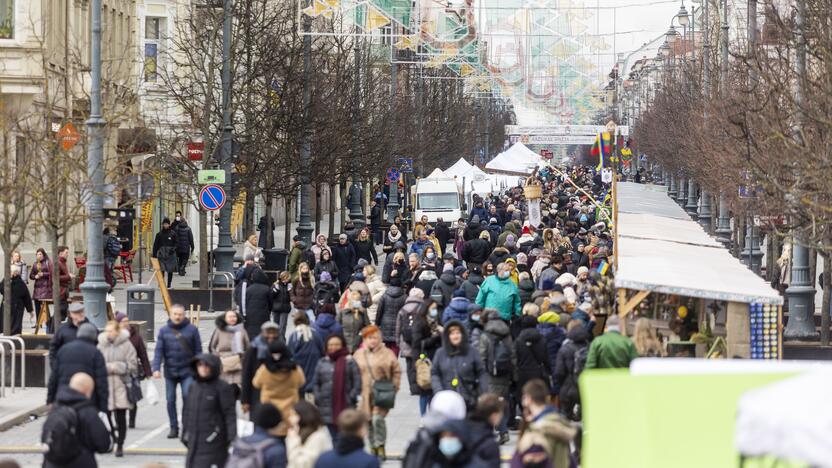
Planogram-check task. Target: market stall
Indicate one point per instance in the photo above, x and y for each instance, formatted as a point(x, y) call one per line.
point(517, 160)
point(703, 301)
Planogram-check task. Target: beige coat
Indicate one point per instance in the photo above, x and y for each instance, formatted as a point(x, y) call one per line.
point(280, 389)
point(120, 356)
point(376, 288)
point(220, 346)
point(304, 455)
point(384, 366)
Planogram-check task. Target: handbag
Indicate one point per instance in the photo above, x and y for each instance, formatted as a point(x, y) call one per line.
point(423, 368)
point(231, 363)
point(134, 389)
point(383, 391)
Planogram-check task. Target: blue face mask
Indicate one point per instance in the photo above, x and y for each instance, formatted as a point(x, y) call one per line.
point(433, 313)
point(475, 318)
point(430, 255)
point(450, 446)
point(584, 218)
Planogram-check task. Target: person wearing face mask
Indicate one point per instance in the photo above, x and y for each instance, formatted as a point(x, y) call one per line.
point(421, 243)
point(353, 319)
point(499, 292)
point(280, 381)
point(548, 435)
point(303, 287)
point(458, 367)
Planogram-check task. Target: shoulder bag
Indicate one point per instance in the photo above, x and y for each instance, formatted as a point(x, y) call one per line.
point(383, 391)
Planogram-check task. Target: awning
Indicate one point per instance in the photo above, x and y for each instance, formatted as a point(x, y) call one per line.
point(516, 160)
point(661, 249)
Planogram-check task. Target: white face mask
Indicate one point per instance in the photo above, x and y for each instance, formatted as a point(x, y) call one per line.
point(356, 304)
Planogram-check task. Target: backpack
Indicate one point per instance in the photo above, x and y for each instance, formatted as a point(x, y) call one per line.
point(113, 246)
point(249, 454)
point(407, 328)
point(420, 451)
point(60, 434)
point(579, 361)
point(423, 368)
point(437, 296)
point(501, 358)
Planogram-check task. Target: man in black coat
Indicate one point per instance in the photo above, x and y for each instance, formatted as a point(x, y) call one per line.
point(184, 245)
point(67, 332)
point(80, 355)
point(20, 300)
point(442, 233)
point(164, 249)
point(258, 302)
point(345, 258)
point(375, 221)
point(476, 251)
point(92, 434)
point(209, 414)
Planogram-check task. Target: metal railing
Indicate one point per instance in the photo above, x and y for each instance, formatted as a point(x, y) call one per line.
point(229, 278)
point(12, 342)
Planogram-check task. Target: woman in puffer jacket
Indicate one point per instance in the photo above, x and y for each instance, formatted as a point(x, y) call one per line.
point(336, 382)
point(458, 367)
point(389, 305)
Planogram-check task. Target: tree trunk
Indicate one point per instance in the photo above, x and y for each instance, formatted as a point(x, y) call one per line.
point(824, 317)
point(333, 190)
point(287, 227)
point(318, 205)
point(56, 280)
point(204, 247)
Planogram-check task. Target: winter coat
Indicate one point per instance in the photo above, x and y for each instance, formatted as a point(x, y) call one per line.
point(176, 353)
point(258, 302)
point(221, 344)
point(410, 307)
point(325, 292)
point(328, 266)
point(281, 300)
point(184, 239)
point(326, 325)
point(304, 454)
point(482, 445)
point(554, 337)
point(377, 289)
point(424, 278)
point(20, 301)
point(353, 321)
point(461, 365)
point(443, 289)
point(443, 234)
point(64, 279)
point(361, 288)
point(501, 294)
point(611, 350)
point(554, 432)
point(375, 365)
point(418, 247)
point(209, 417)
point(565, 377)
point(93, 435)
point(355, 458)
point(346, 259)
point(164, 249)
point(323, 382)
point(472, 231)
point(120, 359)
point(65, 335)
point(265, 242)
point(43, 285)
point(388, 311)
point(493, 332)
point(532, 359)
point(471, 286)
point(457, 310)
point(306, 352)
point(391, 241)
point(281, 388)
point(79, 356)
point(302, 294)
point(365, 249)
point(141, 352)
point(499, 255)
point(476, 251)
point(525, 289)
point(295, 257)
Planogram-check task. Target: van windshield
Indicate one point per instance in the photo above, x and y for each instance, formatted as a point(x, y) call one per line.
point(438, 201)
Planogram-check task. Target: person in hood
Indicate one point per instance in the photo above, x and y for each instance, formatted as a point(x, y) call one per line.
point(376, 363)
point(512, 274)
point(319, 247)
point(510, 229)
point(500, 293)
point(295, 255)
point(324, 292)
point(376, 288)
point(184, 245)
point(253, 358)
point(121, 361)
point(566, 375)
point(303, 288)
point(424, 277)
point(19, 301)
point(229, 342)
point(532, 359)
point(164, 250)
point(458, 367)
point(394, 236)
point(525, 288)
point(80, 355)
point(476, 251)
point(445, 407)
point(306, 347)
point(349, 447)
point(92, 434)
point(472, 284)
point(387, 313)
point(176, 345)
point(336, 382)
point(408, 334)
point(326, 264)
point(479, 211)
point(553, 336)
point(257, 305)
point(209, 414)
point(365, 247)
point(499, 356)
point(353, 319)
point(326, 324)
point(345, 258)
point(279, 380)
point(443, 289)
point(494, 230)
point(457, 309)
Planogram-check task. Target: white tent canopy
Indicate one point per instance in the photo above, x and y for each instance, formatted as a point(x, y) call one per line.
point(517, 160)
point(661, 249)
point(436, 174)
point(459, 168)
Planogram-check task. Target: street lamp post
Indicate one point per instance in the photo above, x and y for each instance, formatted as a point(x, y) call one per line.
point(683, 192)
point(692, 205)
point(393, 206)
point(94, 288)
point(305, 222)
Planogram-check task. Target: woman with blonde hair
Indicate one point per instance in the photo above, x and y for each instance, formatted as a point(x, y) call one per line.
point(122, 365)
point(646, 341)
point(303, 287)
point(250, 248)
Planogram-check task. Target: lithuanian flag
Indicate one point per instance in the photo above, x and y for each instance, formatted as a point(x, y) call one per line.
point(601, 147)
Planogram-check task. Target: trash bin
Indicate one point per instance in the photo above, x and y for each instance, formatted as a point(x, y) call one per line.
point(276, 259)
point(140, 306)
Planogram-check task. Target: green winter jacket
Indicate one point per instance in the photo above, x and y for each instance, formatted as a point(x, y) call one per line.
point(500, 294)
point(611, 350)
point(295, 258)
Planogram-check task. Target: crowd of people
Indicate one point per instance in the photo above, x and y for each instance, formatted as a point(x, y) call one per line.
point(494, 318)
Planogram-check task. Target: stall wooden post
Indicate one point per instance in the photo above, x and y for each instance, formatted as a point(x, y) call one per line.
point(163, 287)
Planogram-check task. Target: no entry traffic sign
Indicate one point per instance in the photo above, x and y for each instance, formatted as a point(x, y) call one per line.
point(212, 197)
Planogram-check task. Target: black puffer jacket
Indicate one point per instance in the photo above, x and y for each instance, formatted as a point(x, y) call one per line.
point(387, 312)
point(459, 368)
point(184, 238)
point(281, 300)
point(365, 249)
point(443, 290)
point(323, 385)
point(532, 359)
point(526, 289)
point(345, 257)
point(500, 255)
point(93, 435)
point(476, 251)
point(472, 286)
point(259, 302)
point(79, 356)
point(576, 339)
point(209, 417)
point(65, 335)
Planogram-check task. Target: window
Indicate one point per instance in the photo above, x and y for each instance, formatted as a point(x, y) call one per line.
point(153, 27)
point(438, 201)
point(6, 19)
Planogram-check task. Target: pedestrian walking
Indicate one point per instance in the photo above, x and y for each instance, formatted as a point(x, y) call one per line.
point(365, 247)
point(394, 235)
point(349, 447)
point(571, 361)
point(262, 447)
point(19, 302)
point(41, 274)
point(457, 367)
point(319, 247)
point(122, 367)
point(255, 356)
point(112, 250)
point(209, 417)
point(80, 355)
point(457, 309)
point(266, 240)
point(306, 347)
point(295, 255)
point(177, 343)
point(143, 364)
point(256, 307)
point(279, 380)
point(184, 245)
point(303, 288)
point(497, 351)
point(379, 371)
point(442, 289)
point(612, 349)
point(645, 340)
point(326, 323)
point(229, 343)
point(472, 284)
point(164, 250)
point(326, 264)
point(376, 288)
point(477, 250)
point(387, 312)
point(486, 416)
point(337, 382)
point(73, 432)
point(345, 258)
point(500, 293)
point(548, 435)
point(353, 319)
point(282, 301)
point(250, 249)
point(65, 281)
point(548, 325)
point(308, 436)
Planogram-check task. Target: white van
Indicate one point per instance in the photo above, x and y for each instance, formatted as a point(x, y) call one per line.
point(438, 198)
